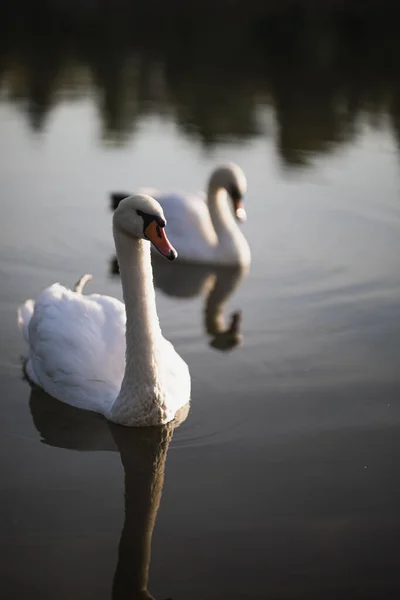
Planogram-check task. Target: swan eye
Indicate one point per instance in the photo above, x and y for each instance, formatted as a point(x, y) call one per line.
point(162, 223)
point(148, 219)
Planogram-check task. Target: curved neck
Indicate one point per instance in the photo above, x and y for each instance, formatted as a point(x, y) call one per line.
point(220, 213)
point(232, 245)
point(143, 335)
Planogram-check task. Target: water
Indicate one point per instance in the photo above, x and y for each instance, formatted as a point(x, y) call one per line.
point(281, 482)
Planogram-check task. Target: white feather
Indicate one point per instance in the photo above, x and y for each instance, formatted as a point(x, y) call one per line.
point(201, 225)
point(25, 313)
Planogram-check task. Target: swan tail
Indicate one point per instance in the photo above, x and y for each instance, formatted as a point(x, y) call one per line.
point(116, 198)
point(80, 284)
point(25, 312)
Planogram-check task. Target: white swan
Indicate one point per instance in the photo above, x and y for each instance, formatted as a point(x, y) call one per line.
point(79, 345)
point(203, 228)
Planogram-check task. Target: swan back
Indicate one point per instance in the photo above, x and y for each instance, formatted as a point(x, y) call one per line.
point(77, 346)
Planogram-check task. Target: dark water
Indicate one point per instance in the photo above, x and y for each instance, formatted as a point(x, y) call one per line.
point(282, 481)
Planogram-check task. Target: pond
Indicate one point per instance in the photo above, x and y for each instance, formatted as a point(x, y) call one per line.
point(281, 480)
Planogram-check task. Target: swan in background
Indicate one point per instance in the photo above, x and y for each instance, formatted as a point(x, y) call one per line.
point(202, 227)
point(79, 345)
point(143, 453)
point(217, 285)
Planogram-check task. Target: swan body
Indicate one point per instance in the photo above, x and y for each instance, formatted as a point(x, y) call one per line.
point(202, 227)
point(97, 353)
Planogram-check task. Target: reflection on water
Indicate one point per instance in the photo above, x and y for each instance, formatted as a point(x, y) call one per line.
point(216, 284)
point(320, 70)
point(143, 453)
point(283, 482)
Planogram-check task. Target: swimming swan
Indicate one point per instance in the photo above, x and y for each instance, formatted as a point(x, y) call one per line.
point(96, 353)
point(202, 228)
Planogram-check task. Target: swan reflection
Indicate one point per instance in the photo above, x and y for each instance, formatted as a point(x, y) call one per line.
point(216, 284)
point(143, 453)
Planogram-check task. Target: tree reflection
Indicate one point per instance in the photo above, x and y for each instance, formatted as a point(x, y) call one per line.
point(319, 70)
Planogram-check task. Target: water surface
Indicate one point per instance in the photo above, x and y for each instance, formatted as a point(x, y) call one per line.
point(282, 480)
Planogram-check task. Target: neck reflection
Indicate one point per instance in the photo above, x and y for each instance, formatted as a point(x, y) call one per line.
point(143, 453)
point(143, 457)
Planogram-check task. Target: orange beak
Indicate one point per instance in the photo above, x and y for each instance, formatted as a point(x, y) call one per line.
point(157, 237)
point(240, 213)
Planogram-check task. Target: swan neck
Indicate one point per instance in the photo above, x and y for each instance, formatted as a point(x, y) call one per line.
point(232, 247)
point(143, 333)
point(220, 212)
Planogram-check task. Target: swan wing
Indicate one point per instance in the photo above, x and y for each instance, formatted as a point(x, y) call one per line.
point(77, 347)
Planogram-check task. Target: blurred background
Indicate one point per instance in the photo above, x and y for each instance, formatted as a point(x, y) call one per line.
point(213, 68)
point(281, 483)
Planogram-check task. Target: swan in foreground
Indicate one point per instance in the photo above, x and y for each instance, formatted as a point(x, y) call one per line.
point(202, 227)
point(96, 353)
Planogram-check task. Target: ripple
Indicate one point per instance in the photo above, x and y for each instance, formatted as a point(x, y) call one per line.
point(201, 432)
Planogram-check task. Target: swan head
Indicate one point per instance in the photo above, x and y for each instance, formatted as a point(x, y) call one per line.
point(233, 180)
point(141, 216)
